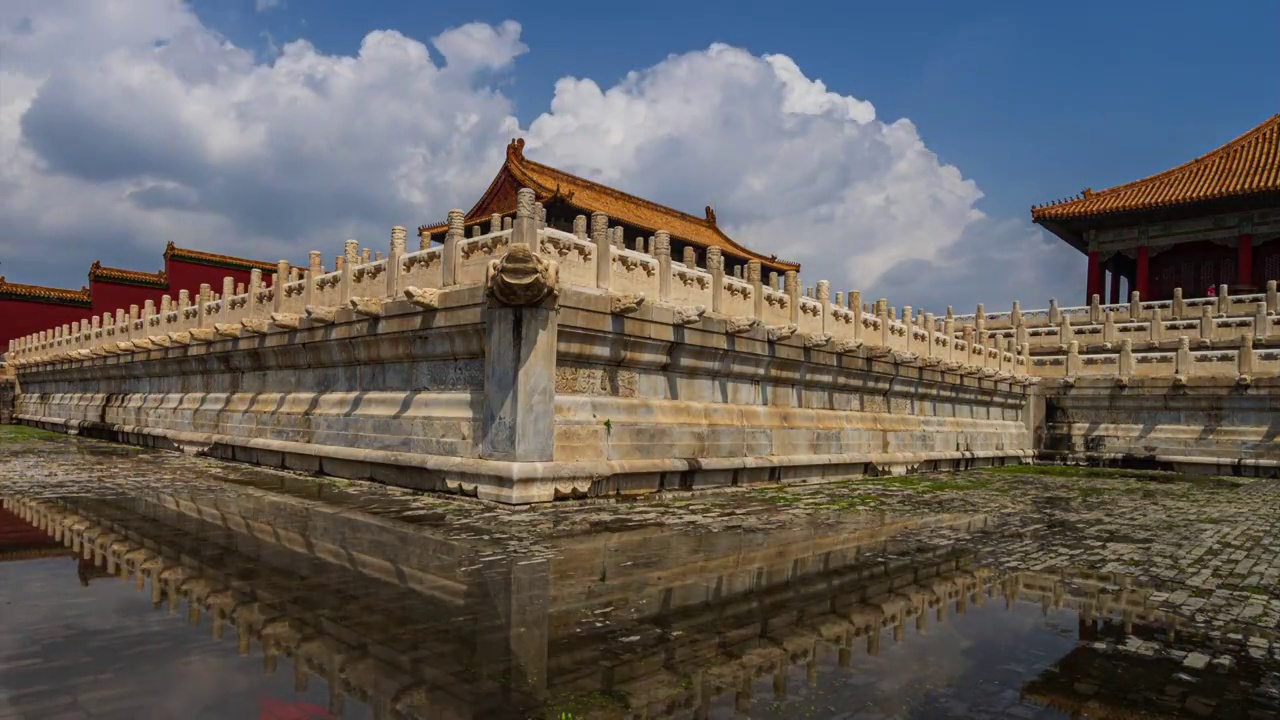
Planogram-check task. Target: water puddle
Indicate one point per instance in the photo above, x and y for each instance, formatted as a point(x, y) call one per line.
point(244, 606)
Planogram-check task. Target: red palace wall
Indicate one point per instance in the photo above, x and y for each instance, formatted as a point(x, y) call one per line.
point(188, 276)
point(108, 296)
point(23, 317)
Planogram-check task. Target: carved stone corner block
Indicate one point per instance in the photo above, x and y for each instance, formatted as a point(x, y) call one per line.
point(847, 346)
point(203, 334)
point(879, 351)
point(778, 333)
point(320, 314)
point(625, 303)
point(180, 337)
point(425, 298)
point(740, 325)
point(227, 330)
point(1244, 380)
point(521, 278)
point(368, 307)
point(161, 340)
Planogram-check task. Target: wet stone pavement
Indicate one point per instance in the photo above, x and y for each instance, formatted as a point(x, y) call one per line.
point(142, 584)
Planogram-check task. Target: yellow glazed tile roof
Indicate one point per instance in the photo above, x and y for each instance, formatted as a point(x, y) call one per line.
point(20, 291)
point(1247, 165)
point(98, 271)
point(207, 258)
point(548, 182)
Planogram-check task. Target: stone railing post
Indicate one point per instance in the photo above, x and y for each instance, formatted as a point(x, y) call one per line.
point(855, 305)
point(1108, 327)
point(580, 227)
point(1260, 320)
point(278, 279)
point(980, 320)
point(1273, 297)
point(345, 281)
point(604, 250)
point(715, 264)
point(756, 278)
point(315, 268)
point(1073, 358)
point(1015, 315)
point(930, 329)
point(1095, 309)
point(1206, 322)
point(1155, 326)
point(495, 222)
point(1224, 300)
point(255, 287)
point(1126, 358)
point(824, 297)
point(395, 251)
point(1182, 359)
point(1244, 356)
point(1054, 312)
point(449, 259)
point(662, 251)
point(1178, 307)
point(228, 291)
point(525, 229)
point(201, 301)
point(791, 286)
point(148, 310)
point(1135, 306)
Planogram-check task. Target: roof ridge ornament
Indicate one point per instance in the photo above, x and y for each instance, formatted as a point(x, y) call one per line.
point(515, 149)
point(711, 216)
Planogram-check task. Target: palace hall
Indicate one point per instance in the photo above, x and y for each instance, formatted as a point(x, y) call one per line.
point(565, 196)
point(1212, 221)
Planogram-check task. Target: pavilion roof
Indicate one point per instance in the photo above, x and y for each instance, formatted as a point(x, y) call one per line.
point(174, 252)
point(1247, 165)
point(39, 293)
point(588, 196)
point(98, 271)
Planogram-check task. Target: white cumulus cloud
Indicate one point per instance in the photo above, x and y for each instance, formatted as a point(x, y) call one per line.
point(128, 123)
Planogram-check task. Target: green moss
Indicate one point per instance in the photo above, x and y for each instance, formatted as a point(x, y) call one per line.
point(586, 706)
point(19, 433)
point(1101, 473)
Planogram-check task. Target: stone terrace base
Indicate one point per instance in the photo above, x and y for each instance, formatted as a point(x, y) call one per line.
point(1207, 426)
point(523, 483)
point(532, 404)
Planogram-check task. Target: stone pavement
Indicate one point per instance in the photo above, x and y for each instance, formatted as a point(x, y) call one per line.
point(1210, 546)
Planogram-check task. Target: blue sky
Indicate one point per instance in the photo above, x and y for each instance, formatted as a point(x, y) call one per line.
point(895, 148)
point(1033, 100)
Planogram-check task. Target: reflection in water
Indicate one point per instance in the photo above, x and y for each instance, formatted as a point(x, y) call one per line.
point(376, 618)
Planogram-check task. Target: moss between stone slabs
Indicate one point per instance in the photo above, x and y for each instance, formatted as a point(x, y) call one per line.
point(18, 433)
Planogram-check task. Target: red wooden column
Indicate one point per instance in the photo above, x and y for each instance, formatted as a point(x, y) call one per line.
point(1144, 264)
point(1244, 260)
point(1094, 282)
